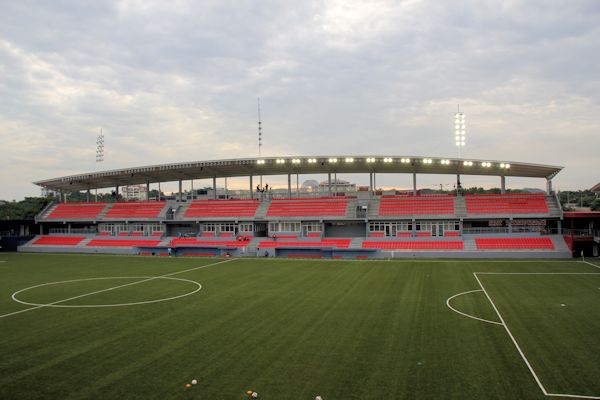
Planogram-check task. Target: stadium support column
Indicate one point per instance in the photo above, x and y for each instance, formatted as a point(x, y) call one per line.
point(329, 182)
point(192, 188)
point(289, 185)
point(251, 188)
point(549, 186)
point(87, 196)
point(503, 184)
point(414, 183)
point(147, 190)
point(226, 193)
point(371, 183)
point(180, 194)
point(374, 182)
point(215, 187)
point(117, 193)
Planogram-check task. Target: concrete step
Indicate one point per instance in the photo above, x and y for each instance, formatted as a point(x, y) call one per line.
point(261, 211)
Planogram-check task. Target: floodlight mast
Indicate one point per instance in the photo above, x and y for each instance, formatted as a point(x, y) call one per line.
point(259, 137)
point(99, 154)
point(460, 132)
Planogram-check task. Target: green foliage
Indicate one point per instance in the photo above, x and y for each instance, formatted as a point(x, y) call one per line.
point(595, 206)
point(24, 209)
point(581, 198)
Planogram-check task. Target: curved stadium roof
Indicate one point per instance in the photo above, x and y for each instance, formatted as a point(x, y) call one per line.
point(284, 165)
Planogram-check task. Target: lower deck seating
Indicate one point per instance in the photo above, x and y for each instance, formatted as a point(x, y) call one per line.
point(337, 243)
point(514, 243)
point(413, 245)
point(122, 243)
point(58, 241)
point(195, 242)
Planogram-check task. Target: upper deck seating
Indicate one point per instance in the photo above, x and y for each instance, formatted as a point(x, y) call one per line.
point(334, 207)
point(221, 208)
point(122, 243)
point(514, 243)
point(76, 211)
point(182, 242)
point(150, 209)
point(58, 240)
point(506, 204)
point(413, 245)
point(338, 243)
point(409, 205)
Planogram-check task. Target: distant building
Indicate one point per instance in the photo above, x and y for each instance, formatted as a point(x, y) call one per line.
point(337, 185)
point(596, 188)
point(310, 186)
point(134, 192)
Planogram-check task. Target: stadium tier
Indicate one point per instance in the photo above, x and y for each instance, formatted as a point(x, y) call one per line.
point(76, 211)
point(514, 243)
point(506, 204)
point(58, 240)
point(411, 205)
point(135, 210)
point(410, 245)
point(334, 219)
point(332, 207)
point(221, 208)
point(338, 243)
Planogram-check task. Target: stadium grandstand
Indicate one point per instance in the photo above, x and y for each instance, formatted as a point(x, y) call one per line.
point(365, 223)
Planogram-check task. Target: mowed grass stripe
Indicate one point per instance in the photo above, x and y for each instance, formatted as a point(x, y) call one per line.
point(555, 321)
point(289, 329)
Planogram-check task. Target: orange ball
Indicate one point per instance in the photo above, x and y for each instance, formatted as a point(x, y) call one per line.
point(248, 392)
point(188, 385)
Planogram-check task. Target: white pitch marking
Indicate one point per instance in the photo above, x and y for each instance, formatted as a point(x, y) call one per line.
point(467, 315)
point(537, 273)
point(512, 337)
point(129, 284)
point(573, 396)
point(589, 263)
point(14, 296)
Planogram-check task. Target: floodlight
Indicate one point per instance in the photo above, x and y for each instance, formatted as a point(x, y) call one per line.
point(387, 160)
point(296, 161)
point(280, 161)
point(333, 160)
point(349, 159)
point(260, 161)
point(370, 160)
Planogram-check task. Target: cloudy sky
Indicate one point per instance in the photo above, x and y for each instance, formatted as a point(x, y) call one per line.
point(176, 80)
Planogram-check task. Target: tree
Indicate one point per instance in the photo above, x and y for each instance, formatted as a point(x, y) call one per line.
point(595, 206)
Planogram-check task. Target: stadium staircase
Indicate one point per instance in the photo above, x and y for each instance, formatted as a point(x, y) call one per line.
point(103, 212)
point(261, 211)
point(351, 209)
point(373, 208)
point(460, 207)
point(554, 208)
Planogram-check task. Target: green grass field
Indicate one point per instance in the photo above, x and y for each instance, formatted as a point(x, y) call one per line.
point(296, 329)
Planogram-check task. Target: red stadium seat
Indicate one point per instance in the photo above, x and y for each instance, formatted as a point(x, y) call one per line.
point(195, 242)
point(58, 241)
point(410, 205)
point(335, 207)
point(221, 208)
point(76, 211)
point(506, 204)
point(122, 243)
point(335, 243)
point(135, 210)
point(514, 243)
point(413, 245)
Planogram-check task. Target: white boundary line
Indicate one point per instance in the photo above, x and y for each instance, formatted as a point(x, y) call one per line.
point(467, 315)
point(589, 263)
point(513, 338)
point(14, 295)
point(105, 290)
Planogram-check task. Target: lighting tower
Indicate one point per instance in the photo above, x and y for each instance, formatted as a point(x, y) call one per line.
point(460, 132)
point(259, 136)
point(100, 147)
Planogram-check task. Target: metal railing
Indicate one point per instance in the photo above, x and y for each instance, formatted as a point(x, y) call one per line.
point(73, 230)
